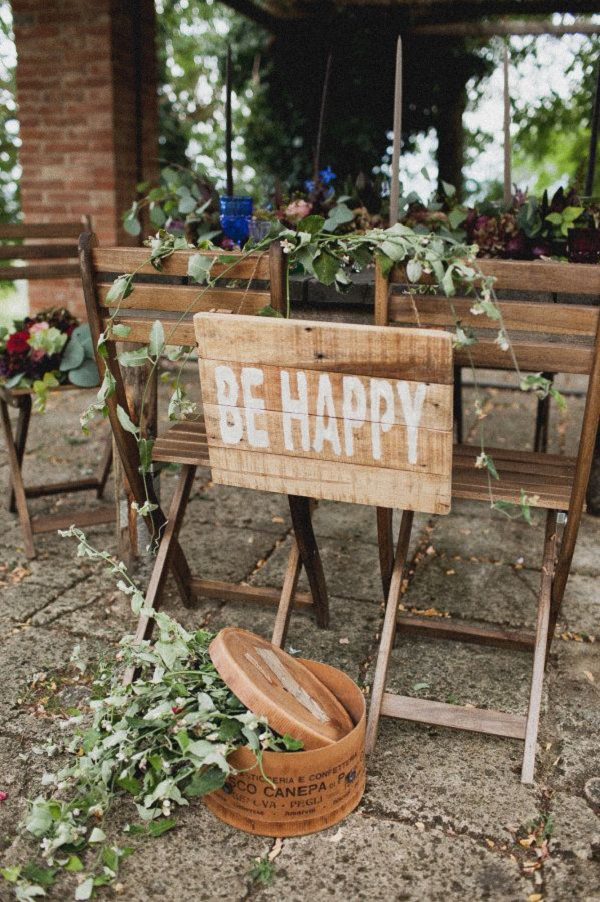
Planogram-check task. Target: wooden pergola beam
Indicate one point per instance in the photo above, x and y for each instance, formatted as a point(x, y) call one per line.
point(255, 13)
point(500, 29)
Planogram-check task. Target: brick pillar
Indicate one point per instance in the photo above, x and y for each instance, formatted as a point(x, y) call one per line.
point(86, 89)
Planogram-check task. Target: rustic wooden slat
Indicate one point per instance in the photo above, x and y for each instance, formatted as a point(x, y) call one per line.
point(518, 316)
point(212, 588)
point(122, 260)
point(478, 720)
point(188, 298)
point(175, 333)
point(434, 447)
point(567, 278)
point(38, 251)
point(531, 357)
point(58, 488)
point(17, 230)
point(531, 275)
point(373, 350)
point(326, 479)
point(42, 271)
point(51, 522)
point(443, 628)
point(561, 470)
point(436, 411)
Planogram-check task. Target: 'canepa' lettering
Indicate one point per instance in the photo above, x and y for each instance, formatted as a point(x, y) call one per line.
point(375, 404)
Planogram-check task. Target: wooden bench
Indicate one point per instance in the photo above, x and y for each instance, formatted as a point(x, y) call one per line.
point(170, 296)
point(564, 339)
point(50, 253)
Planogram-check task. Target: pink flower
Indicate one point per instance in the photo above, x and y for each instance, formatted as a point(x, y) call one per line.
point(298, 209)
point(37, 354)
point(3, 796)
point(39, 327)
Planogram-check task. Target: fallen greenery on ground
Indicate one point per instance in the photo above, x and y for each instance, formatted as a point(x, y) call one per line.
point(160, 741)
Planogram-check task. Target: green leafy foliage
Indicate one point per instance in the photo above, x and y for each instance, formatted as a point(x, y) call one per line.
point(161, 741)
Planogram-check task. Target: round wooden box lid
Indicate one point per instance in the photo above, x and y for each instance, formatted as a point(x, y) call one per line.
point(273, 684)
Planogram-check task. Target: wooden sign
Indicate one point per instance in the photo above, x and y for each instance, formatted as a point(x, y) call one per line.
point(328, 410)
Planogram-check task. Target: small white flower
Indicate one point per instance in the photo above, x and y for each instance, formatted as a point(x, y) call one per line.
point(106, 725)
point(480, 462)
point(286, 246)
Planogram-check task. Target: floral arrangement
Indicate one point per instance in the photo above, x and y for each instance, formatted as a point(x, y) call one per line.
point(162, 740)
point(532, 228)
point(47, 350)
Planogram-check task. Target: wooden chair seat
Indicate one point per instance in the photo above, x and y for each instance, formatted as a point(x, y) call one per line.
point(547, 479)
point(183, 443)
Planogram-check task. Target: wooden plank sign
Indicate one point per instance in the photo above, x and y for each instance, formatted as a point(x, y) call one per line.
point(328, 410)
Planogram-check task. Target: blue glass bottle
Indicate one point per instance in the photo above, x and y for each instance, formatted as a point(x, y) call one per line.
point(236, 214)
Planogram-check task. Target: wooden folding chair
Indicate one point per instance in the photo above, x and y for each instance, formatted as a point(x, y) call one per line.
point(567, 341)
point(51, 253)
point(171, 297)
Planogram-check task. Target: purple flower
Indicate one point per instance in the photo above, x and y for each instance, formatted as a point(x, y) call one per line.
point(309, 185)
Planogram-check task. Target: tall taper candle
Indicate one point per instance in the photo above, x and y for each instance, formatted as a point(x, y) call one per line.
point(507, 145)
point(395, 181)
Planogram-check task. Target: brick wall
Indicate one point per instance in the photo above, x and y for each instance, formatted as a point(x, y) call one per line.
point(86, 89)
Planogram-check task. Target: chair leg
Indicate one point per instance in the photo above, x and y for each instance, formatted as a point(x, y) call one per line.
point(542, 421)
point(389, 630)
point(284, 611)
point(17, 481)
point(164, 557)
point(385, 542)
point(20, 441)
point(458, 404)
point(539, 655)
point(105, 467)
point(300, 509)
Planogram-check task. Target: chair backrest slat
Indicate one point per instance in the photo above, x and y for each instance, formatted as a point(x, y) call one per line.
point(543, 335)
point(15, 231)
point(554, 337)
point(119, 260)
point(44, 242)
point(190, 298)
point(534, 275)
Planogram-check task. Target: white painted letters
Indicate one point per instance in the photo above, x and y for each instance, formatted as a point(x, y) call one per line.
point(252, 377)
point(325, 405)
point(412, 411)
point(230, 418)
point(382, 421)
point(357, 403)
point(354, 409)
point(295, 408)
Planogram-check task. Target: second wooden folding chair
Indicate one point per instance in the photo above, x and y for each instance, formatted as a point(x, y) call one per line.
point(171, 297)
point(568, 341)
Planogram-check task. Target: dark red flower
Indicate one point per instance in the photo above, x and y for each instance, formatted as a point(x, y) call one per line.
point(17, 343)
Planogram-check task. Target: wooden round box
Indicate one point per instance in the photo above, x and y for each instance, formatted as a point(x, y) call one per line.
point(310, 790)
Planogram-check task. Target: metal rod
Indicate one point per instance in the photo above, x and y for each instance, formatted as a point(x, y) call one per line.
point(317, 157)
point(594, 126)
point(395, 180)
point(507, 145)
point(228, 126)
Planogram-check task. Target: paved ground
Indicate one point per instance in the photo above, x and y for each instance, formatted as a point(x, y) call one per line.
point(444, 811)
